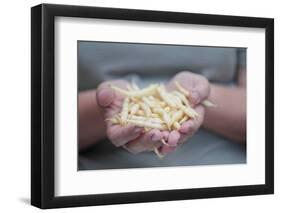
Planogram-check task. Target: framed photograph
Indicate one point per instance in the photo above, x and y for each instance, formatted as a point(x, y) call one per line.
point(139, 106)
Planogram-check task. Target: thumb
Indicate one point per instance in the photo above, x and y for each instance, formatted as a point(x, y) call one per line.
point(200, 91)
point(105, 96)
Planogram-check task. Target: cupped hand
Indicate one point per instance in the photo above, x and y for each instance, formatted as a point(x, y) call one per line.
point(199, 89)
point(129, 136)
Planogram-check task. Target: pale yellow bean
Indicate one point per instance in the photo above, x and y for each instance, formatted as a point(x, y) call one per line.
point(113, 120)
point(167, 108)
point(182, 89)
point(165, 116)
point(144, 92)
point(141, 118)
point(177, 116)
point(183, 119)
point(140, 113)
point(129, 87)
point(161, 156)
point(148, 102)
point(162, 104)
point(182, 97)
point(154, 115)
point(151, 97)
point(164, 96)
point(188, 111)
point(139, 93)
point(146, 124)
point(134, 109)
point(176, 125)
point(135, 87)
point(122, 91)
point(208, 103)
point(146, 109)
point(124, 112)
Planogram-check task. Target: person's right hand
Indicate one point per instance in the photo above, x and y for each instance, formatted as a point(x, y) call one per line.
point(129, 136)
point(199, 88)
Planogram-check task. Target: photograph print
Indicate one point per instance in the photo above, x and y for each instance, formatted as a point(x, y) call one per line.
point(144, 105)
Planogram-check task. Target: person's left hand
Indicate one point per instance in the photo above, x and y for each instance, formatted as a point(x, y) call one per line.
point(199, 89)
point(130, 137)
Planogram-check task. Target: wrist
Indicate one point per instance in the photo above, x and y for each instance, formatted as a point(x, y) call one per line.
point(91, 120)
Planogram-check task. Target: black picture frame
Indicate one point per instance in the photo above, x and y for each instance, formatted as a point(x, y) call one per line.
point(43, 102)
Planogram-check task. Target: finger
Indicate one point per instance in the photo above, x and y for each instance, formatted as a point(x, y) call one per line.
point(105, 96)
point(146, 142)
point(173, 138)
point(112, 111)
point(165, 135)
point(200, 91)
point(120, 135)
point(196, 84)
point(199, 120)
point(165, 149)
point(189, 127)
point(183, 138)
point(156, 135)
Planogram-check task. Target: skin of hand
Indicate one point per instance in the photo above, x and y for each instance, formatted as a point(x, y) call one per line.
point(130, 137)
point(199, 88)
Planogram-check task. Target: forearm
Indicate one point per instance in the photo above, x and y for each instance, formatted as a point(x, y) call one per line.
point(229, 117)
point(91, 121)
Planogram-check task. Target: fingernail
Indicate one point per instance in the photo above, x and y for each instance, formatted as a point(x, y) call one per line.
point(167, 149)
point(138, 130)
point(155, 137)
point(186, 128)
point(105, 97)
point(195, 97)
point(173, 143)
point(165, 135)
